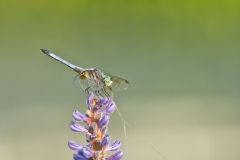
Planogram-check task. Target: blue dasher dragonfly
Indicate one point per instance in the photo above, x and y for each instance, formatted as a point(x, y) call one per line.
point(94, 79)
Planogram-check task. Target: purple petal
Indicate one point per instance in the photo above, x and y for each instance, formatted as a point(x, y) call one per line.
point(86, 152)
point(90, 98)
point(104, 101)
point(105, 140)
point(83, 154)
point(110, 108)
point(114, 146)
point(117, 156)
point(79, 157)
point(75, 127)
point(104, 130)
point(103, 121)
point(79, 116)
point(74, 146)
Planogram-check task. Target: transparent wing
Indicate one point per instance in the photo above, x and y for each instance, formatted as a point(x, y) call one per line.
point(83, 84)
point(119, 84)
point(106, 91)
point(90, 83)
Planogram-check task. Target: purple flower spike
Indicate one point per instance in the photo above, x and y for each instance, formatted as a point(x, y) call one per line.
point(114, 146)
point(105, 140)
point(103, 121)
point(74, 146)
point(117, 156)
point(95, 127)
point(110, 108)
point(79, 116)
point(75, 127)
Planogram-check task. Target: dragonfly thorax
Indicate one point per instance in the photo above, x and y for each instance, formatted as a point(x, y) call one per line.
point(107, 81)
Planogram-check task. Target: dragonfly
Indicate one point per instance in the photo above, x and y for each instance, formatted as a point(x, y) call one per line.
point(94, 79)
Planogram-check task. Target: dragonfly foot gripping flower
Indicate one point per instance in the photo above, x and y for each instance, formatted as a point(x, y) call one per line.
point(93, 125)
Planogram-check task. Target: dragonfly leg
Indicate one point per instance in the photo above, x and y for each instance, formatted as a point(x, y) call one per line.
point(87, 90)
point(105, 93)
point(98, 94)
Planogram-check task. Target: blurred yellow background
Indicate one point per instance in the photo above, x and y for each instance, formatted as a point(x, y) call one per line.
point(181, 57)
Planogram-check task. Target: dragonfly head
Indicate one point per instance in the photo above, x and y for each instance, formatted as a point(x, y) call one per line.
point(84, 75)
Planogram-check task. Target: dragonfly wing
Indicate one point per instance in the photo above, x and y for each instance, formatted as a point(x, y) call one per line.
point(99, 90)
point(106, 91)
point(90, 83)
point(119, 84)
point(83, 84)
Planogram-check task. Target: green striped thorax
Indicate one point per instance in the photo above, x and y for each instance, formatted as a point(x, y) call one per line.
point(107, 80)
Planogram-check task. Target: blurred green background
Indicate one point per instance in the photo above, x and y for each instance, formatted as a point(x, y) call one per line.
point(181, 57)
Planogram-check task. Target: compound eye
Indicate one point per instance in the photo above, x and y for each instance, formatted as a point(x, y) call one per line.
point(83, 77)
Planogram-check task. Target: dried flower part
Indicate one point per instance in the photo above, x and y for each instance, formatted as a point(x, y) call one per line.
point(97, 145)
point(94, 126)
point(93, 102)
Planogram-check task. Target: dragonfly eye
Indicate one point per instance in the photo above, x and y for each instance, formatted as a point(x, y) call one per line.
point(83, 76)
